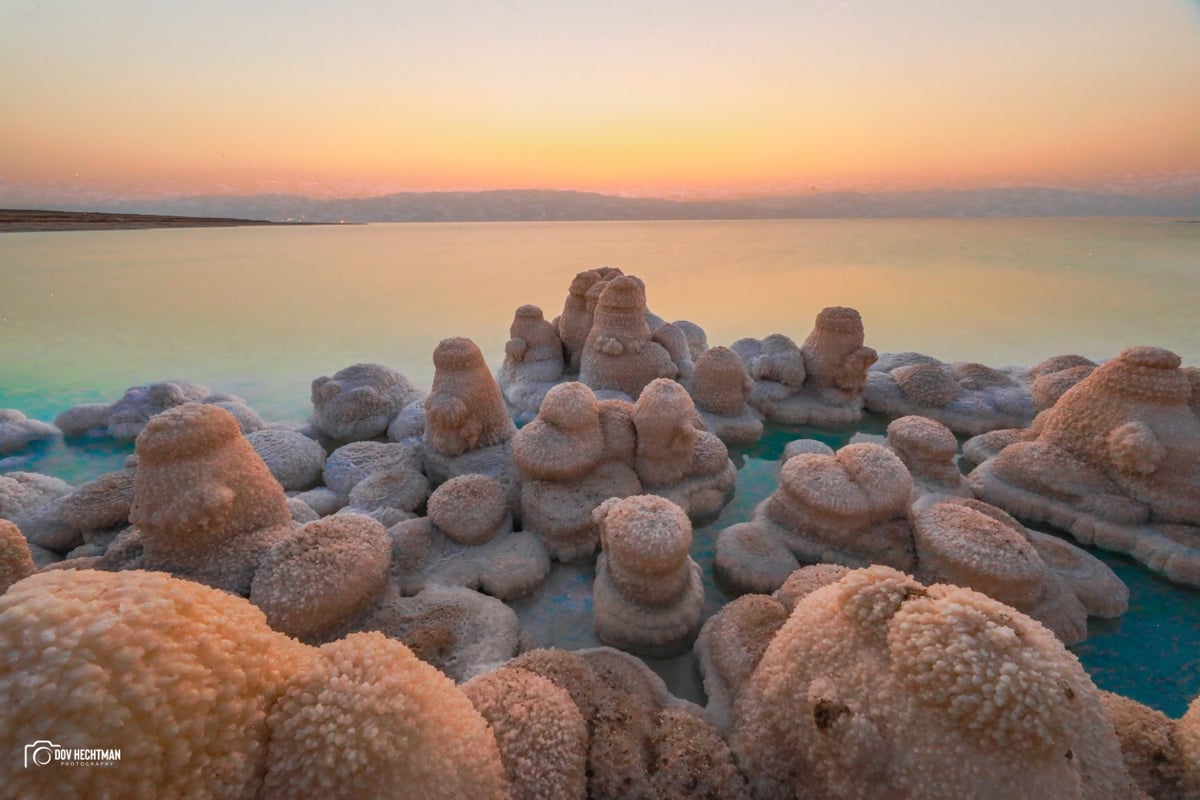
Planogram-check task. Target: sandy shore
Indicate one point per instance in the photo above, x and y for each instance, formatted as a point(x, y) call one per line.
point(20, 220)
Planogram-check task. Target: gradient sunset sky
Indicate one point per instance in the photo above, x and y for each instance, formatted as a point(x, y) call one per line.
point(151, 98)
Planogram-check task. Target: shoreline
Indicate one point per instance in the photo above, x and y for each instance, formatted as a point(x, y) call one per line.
point(39, 220)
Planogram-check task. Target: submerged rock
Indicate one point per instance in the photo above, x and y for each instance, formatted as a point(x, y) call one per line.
point(18, 431)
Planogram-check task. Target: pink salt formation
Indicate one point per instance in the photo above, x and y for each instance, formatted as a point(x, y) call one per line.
point(573, 456)
point(878, 686)
point(359, 402)
point(721, 390)
point(533, 361)
point(641, 741)
point(124, 419)
point(468, 540)
point(467, 426)
point(15, 560)
point(620, 353)
point(648, 594)
point(817, 383)
point(1115, 462)
point(18, 431)
point(579, 452)
point(967, 398)
point(203, 698)
point(856, 508)
point(928, 450)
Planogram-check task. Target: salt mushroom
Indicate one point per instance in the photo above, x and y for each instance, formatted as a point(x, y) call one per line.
point(533, 361)
point(879, 685)
point(1116, 462)
point(850, 508)
point(205, 506)
point(573, 456)
point(542, 737)
point(18, 431)
point(619, 353)
point(467, 426)
point(721, 388)
point(648, 594)
point(468, 540)
point(359, 402)
point(966, 397)
point(928, 450)
point(575, 321)
point(674, 458)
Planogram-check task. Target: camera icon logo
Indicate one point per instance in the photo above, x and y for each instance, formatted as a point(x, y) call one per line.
point(40, 753)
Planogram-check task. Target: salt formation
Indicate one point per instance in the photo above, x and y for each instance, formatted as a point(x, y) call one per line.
point(467, 427)
point(533, 361)
point(574, 455)
point(468, 540)
point(33, 502)
point(359, 402)
point(673, 457)
point(928, 449)
point(575, 321)
point(293, 459)
point(879, 686)
point(205, 506)
point(1151, 743)
point(365, 718)
point(648, 594)
point(721, 390)
point(18, 431)
point(849, 508)
point(1116, 462)
point(642, 742)
point(855, 508)
point(966, 397)
point(15, 560)
point(380, 479)
point(620, 352)
point(124, 419)
point(1051, 379)
point(817, 383)
point(542, 737)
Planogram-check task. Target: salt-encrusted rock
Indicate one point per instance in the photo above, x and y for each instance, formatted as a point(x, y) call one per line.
point(248, 419)
point(966, 397)
point(729, 648)
point(721, 388)
point(928, 448)
point(697, 340)
point(849, 509)
point(648, 594)
point(575, 321)
point(819, 382)
point(1116, 462)
point(878, 686)
point(16, 562)
point(468, 540)
point(619, 352)
point(533, 361)
point(323, 500)
point(101, 504)
point(365, 718)
point(294, 459)
point(205, 507)
point(1051, 379)
point(359, 402)
point(574, 455)
point(328, 572)
point(22, 492)
point(124, 419)
point(18, 431)
point(301, 511)
point(1150, 746)
point(676, 460)
point(542, 737)
point(461, 632)
point(380, 479)
point(1096, 586)
point(800, 446)
point(409, 424)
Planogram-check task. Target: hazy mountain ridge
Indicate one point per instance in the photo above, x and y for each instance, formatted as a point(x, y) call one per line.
point(538, 205)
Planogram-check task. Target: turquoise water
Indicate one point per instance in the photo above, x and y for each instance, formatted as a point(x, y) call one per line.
point(260, 312)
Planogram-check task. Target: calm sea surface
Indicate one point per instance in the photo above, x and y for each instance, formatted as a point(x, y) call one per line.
point(260, 312)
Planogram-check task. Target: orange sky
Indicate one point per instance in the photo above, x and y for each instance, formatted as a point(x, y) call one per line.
point(141, 98)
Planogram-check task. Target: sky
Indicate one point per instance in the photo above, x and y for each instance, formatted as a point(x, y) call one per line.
point(674, 98)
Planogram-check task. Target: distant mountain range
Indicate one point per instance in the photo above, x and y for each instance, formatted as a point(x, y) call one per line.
point(539, 205)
